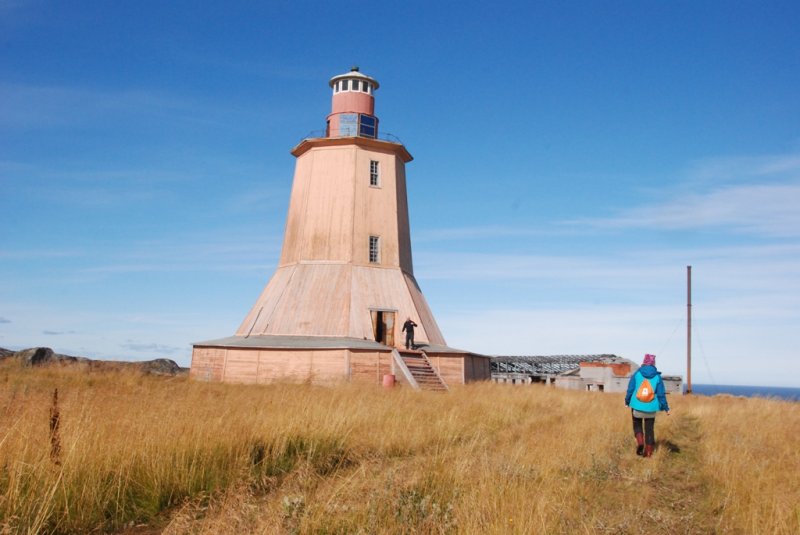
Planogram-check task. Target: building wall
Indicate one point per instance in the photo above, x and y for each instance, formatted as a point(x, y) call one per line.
point(208, 363)
point(370, 366)
point(253, 365)
point(461, 368)
point(323, 366)
point(477, 368)
point(609, 377)
point(333, 208)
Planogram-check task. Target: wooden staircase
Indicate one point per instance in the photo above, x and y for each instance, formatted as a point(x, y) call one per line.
point(421, 371)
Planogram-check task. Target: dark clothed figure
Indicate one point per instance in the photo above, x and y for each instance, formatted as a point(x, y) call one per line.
point(644, 412)
point(408, 328)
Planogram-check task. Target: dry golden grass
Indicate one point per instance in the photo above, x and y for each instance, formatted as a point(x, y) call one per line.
point(143, 455)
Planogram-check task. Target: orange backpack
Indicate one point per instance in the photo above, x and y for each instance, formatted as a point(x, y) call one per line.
point(646, 392)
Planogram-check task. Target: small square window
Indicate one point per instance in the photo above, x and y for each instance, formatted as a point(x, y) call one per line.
point(374, 250)
point(374, 173)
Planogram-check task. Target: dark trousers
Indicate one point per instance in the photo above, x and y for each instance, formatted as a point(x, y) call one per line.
point(649, 429)
point(410, 339)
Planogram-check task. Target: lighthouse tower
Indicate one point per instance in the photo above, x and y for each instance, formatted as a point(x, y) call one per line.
point(335, 306)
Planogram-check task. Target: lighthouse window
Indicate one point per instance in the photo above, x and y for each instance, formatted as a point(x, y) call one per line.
point(366, 126)
point(348, 124)
point(374, 250)
point(345, 85)
point(374, 173)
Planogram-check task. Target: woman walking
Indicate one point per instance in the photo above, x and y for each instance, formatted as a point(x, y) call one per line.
point(645, 397)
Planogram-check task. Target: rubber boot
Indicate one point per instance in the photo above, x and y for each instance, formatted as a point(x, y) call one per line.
point(639, 444)
point(648, 450)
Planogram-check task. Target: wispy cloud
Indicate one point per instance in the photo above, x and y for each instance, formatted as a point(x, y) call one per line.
point(771, 210)
point(150, 348)
point(226, 251)
point(751, 266)
point(57, 333)
point(727, 170)
point(4, 320)
point(756, 195)
point(28, 106)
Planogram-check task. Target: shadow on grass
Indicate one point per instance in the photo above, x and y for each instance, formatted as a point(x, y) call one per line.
point(669, 446)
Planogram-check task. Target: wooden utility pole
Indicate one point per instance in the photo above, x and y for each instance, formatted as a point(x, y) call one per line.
point(688, 329)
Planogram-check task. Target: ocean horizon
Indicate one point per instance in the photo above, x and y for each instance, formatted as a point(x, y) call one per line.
point(780, 392)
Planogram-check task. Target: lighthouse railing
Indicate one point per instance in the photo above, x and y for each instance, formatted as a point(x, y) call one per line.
point(381, 136)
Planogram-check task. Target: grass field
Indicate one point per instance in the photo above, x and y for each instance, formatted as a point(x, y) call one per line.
point(128, 453)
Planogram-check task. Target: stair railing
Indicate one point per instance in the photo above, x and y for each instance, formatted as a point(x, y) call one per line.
point(400, 364)
point(435, 371)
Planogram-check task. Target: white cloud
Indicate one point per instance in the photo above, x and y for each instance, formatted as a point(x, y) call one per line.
point(771, 210)
point(757, 195)
point(150, 348)
point(744, 168)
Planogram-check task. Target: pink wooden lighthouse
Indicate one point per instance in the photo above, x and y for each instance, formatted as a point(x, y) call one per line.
point(345, 282)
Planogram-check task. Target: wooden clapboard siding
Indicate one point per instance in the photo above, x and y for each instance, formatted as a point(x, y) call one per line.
point(335, 300)
point(241, 366)
point(328, 366)
point(477, 368)
point(295, 217)
point(369, 366)
point(313, 300)
point(254, 365)
point(260, 315)
point(333, 209)
point(261, 365)
point(387, 289)
point(208, 363)
point(403, 225)
point(376, 209)
point(449, 366)
point(328, 219)
point(320, 219)
point(283, 365)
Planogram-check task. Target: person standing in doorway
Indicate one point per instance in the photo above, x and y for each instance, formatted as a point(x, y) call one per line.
point(408, 328)
point(645, 397)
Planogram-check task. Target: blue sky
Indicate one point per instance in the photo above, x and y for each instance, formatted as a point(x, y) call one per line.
point(571, 159)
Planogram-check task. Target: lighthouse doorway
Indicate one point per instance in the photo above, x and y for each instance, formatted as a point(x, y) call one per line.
point(383, 326)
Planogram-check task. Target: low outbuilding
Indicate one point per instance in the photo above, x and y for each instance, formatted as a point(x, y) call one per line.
point(601, 373)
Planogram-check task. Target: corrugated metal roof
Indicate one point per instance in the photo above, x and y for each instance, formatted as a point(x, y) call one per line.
point(546, 365)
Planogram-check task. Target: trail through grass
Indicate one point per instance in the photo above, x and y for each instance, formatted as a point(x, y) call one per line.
point(680, 490)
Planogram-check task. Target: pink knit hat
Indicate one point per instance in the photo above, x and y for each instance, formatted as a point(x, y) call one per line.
point(649, 360)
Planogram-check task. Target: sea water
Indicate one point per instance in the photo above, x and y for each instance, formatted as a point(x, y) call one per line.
point(780, 392)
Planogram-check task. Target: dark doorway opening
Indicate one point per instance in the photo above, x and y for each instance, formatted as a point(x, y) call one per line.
point(383, 326)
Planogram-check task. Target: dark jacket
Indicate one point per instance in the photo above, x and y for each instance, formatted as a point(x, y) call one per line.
point(409, 326)
point(648, 372)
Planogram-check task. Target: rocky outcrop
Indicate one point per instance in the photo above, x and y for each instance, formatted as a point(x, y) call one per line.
point(160, 367)
point(39, 356)
point(44, 356)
